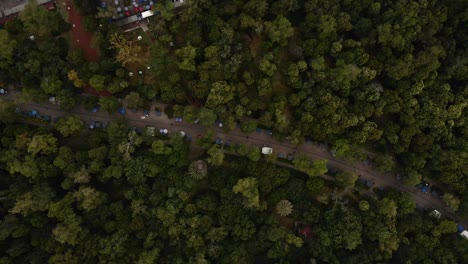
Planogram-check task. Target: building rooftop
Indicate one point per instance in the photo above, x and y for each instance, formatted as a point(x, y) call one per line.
point(10, 7)
point(7, 4)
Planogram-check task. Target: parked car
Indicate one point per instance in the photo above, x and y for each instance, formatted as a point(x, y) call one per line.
point(158, 111)
point(163, 131)
point(32, 113)
point(423, 187)
point(46, 118)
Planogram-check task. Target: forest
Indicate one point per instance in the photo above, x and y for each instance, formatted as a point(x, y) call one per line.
point(389, 77)
point(113, 196)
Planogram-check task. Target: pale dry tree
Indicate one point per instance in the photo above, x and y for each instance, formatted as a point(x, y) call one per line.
point(128, 51)
point(284, 208)
point(198, 169)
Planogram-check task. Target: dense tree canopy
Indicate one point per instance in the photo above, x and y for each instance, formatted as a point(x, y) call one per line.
point(350, 73)
point(361, 76)
point(141, 199)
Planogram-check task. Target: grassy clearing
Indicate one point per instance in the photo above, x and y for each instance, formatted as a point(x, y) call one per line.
point(133, 35)
point(254, 45)
point(145, 44)
point(279, 85)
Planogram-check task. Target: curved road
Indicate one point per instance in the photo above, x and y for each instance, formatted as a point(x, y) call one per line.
point(312, 151)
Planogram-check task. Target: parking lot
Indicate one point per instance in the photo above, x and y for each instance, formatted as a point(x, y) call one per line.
point(127, 8)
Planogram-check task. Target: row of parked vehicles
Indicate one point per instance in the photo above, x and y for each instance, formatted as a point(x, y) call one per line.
point(33, 114)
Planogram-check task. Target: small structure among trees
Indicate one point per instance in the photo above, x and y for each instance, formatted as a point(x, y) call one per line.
point(303, 230)
point(284, 208)
point(198, 169)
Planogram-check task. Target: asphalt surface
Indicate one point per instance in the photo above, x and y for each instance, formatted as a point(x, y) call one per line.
point(312, 150)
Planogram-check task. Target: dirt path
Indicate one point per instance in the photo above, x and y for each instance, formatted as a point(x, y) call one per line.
point(312, 151)
point(80, 38)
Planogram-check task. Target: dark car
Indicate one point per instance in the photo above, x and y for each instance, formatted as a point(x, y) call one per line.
point(436, 192)
point(423, 187)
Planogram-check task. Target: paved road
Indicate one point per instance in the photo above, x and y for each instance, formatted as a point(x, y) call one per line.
point(312, 151)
